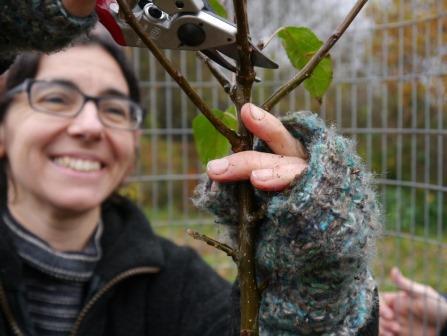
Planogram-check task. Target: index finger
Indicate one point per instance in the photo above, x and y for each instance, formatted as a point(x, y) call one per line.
point(409, 286)
point(270, 129)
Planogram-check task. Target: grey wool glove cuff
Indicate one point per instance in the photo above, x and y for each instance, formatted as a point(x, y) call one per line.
point(317, 239)
point(42, 25)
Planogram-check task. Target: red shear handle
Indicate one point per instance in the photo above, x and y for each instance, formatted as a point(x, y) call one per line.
point(108, 21)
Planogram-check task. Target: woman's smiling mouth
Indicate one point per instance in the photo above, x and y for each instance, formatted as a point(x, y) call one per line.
point(81, 165)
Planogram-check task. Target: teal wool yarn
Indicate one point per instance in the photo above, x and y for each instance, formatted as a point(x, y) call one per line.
point(317, 239)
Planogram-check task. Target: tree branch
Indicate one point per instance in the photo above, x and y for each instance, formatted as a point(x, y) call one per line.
point(214, 243)
point(216, 72)
point(232, 137)
point(307, 70)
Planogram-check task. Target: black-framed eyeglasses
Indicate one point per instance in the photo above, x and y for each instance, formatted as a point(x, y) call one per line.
point(67, 100)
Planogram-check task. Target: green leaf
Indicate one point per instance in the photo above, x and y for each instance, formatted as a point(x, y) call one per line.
point(210, 144)
point(218, 8)
point(301, 44)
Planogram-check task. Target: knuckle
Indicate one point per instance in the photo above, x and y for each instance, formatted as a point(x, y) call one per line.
point(247, 160)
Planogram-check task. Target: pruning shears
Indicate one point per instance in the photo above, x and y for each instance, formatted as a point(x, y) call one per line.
point(179, 25)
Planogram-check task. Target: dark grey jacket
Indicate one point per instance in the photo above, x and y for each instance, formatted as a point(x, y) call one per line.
point(143, 285)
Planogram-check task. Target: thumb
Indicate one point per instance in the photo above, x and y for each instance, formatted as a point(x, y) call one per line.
point(412, 288)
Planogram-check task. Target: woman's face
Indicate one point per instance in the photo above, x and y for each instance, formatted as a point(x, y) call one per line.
point(70, 164)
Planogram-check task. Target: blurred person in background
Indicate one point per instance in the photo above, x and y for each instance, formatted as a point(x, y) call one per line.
point(415, 309)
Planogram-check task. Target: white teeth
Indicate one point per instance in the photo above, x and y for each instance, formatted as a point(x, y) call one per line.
point(78, 164)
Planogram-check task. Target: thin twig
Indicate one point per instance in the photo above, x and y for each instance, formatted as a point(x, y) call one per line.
point(263, 44)
point(216, 72)
point(307, 70)
point(214, 243)
point(232, 137)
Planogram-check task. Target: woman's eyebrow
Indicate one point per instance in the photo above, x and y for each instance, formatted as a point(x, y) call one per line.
point(106, 92)
point(114, 92)
point(64, 82)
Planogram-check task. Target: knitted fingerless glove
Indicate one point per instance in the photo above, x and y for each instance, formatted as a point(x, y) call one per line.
point(42, 25)
point(316, 241)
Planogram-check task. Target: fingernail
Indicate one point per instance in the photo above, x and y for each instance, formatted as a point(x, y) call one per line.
point(395, 273)
point(262, 174)
point(256, 112)
point(217, 167)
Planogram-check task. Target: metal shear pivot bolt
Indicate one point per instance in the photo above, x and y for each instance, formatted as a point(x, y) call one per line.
point(191, 34)
point(179, 25)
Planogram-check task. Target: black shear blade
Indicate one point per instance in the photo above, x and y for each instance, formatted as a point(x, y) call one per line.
point(219, 59)
point(257, 57)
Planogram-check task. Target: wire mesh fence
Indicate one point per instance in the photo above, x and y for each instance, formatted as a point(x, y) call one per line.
point(389, 94)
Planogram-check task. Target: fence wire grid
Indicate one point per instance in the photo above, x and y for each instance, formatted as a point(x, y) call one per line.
point(388, 94)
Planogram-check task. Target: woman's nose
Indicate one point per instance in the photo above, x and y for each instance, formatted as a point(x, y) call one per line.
point(87, 124)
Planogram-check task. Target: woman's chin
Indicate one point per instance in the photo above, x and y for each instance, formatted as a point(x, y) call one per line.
point(77, 205)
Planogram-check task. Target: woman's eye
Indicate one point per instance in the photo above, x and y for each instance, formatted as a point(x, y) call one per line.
point(115, 111)
point(55, 99)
